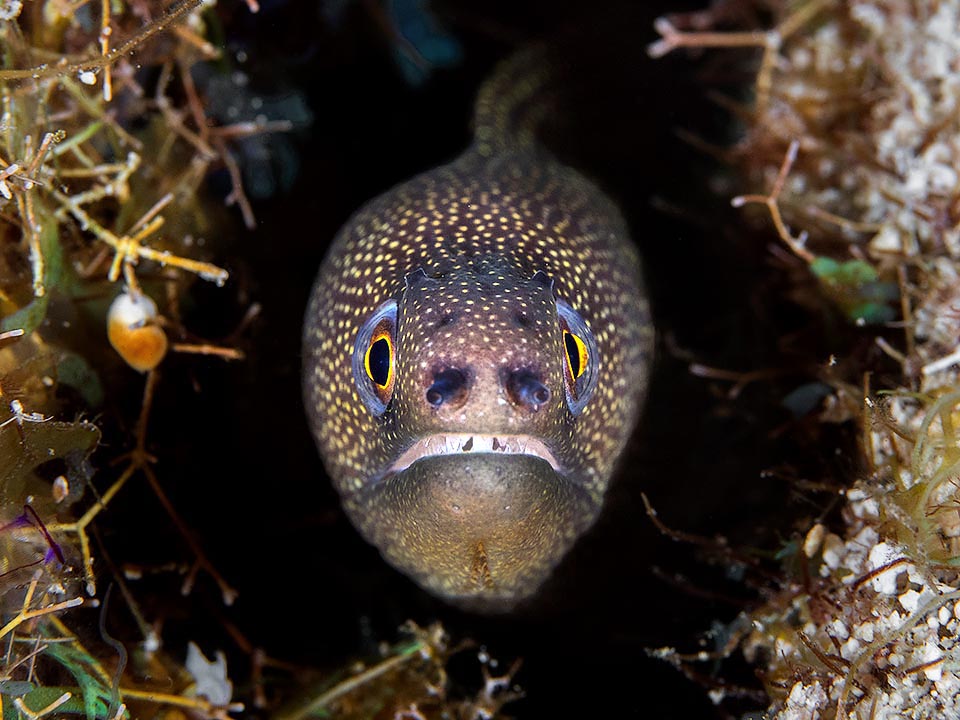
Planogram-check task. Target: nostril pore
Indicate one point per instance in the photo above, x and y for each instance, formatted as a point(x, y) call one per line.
point(447, 385)
point(526, 389)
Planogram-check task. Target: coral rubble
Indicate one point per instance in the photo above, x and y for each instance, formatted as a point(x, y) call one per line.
point(854, 126)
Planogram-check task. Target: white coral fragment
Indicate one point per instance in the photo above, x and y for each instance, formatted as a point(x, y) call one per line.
point(210, 677)
point(885, 556)
point(10, 9)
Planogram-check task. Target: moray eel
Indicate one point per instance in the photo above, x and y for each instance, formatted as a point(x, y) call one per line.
point(476, 350)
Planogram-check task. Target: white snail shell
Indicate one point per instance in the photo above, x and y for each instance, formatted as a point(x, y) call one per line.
point(133, 332)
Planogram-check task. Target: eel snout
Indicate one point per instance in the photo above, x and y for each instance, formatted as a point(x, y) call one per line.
point(480, 528)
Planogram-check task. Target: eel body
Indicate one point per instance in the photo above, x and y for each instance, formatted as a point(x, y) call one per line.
point(476, 350)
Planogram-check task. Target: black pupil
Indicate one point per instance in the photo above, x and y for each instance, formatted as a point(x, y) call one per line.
point(380, 362)
point(573, 352)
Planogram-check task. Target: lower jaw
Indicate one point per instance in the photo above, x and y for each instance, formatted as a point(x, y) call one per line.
point(480, 529)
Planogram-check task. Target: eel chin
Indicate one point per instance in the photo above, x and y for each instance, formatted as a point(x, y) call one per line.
point(478, 520)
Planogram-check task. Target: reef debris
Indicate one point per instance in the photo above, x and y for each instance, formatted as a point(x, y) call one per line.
point(852, 134)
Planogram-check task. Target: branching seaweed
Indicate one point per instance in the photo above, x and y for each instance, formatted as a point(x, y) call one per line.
point(412, 679)
point(98, 186)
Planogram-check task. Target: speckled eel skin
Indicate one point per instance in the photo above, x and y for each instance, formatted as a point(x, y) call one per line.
point(477, 348)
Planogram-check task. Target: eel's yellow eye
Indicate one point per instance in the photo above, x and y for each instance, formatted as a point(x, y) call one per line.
point(378, 360)
point(577, 354)
point(582, 367)
point(375, 358)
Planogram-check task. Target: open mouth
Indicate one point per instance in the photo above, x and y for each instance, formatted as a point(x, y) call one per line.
point(460, 443)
